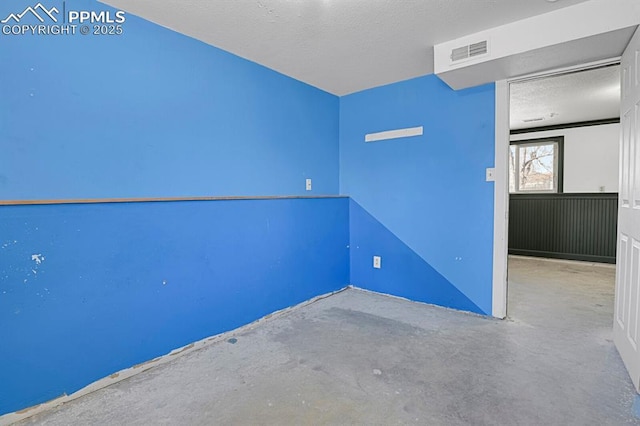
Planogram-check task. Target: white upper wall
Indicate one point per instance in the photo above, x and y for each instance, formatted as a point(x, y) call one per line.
point(590, 156)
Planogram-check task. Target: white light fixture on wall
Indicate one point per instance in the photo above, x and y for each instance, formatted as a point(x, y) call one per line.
point(394, 134)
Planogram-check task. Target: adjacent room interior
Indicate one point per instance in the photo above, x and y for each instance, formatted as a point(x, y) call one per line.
point(278, 213)
point(563, 185)
point(563, 165)
point(563, 205)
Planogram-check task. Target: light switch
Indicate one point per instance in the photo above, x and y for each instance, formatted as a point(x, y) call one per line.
point(491, 174)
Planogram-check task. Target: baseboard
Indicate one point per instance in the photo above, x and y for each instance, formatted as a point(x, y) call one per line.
point(565, 256)
point(565, 261)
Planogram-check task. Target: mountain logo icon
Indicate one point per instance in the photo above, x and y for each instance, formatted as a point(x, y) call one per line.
point(38, 11)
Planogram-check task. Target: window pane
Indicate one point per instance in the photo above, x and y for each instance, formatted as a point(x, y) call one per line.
point(537, 167)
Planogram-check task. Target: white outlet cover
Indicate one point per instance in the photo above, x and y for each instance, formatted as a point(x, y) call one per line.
point(308, 183)
point(377, 262)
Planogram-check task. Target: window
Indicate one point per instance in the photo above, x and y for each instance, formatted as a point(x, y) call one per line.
point(536, 165)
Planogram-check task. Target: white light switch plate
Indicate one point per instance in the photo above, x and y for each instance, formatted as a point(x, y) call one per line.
point(308, 184)
point(491, 174)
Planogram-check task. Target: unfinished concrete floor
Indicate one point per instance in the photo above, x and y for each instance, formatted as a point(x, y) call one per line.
point(360, 358)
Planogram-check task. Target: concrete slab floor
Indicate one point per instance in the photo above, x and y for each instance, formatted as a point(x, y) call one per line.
point(361, 358)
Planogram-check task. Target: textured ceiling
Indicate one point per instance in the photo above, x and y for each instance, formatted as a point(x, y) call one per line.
point(341, 46)
point(569, 98)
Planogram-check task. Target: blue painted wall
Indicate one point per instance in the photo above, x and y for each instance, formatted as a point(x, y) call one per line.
point(119, 284)
point(154, 113)
point(403, 273)
point(421, 203)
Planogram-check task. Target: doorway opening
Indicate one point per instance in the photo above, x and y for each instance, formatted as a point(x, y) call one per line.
point(563, 157)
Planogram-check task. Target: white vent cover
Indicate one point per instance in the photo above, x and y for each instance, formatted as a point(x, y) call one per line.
point(469, 51)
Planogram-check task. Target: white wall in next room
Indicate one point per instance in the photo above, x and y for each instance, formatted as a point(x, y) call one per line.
point(590, 156)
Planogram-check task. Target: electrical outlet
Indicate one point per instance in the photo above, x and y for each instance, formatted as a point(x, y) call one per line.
point(377, 262)
point(308, 184)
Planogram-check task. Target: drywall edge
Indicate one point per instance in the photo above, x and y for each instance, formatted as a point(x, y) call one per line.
point(501, 202)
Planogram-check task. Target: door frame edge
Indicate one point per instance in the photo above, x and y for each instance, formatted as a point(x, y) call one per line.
point(500, 201)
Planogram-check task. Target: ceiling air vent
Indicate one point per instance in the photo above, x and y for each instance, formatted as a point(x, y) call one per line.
point(470, 51)
point(477, 49)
